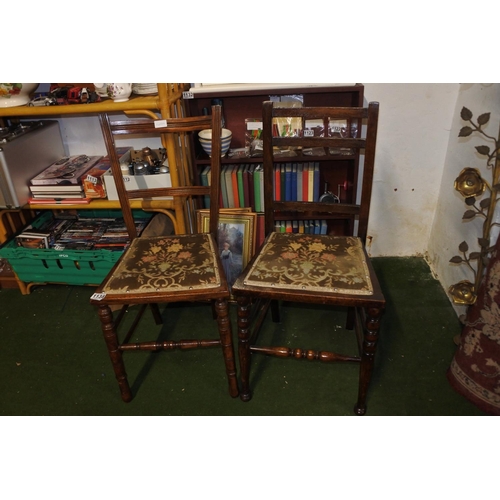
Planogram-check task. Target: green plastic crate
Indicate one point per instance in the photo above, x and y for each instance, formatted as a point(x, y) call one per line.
point(70, 267)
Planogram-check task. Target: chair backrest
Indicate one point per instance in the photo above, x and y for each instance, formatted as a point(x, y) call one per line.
point(351, 138)
point(154, 128)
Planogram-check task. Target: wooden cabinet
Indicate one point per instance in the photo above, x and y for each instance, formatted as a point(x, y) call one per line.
point(338, 170)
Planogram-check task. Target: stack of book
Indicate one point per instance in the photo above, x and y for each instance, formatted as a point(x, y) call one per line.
point(243, 185)
point(315, 226)
point(61, 182)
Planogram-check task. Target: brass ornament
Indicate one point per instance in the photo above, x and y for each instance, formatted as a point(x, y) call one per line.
point(470, 183)
point(463, 293)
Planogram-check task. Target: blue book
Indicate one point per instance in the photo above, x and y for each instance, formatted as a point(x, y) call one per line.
point(299, 181)
point(323, 227)
point(294, 182)
point(288, 182)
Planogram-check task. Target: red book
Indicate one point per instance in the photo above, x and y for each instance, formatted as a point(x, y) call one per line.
point(277, 183)
point(234, 180)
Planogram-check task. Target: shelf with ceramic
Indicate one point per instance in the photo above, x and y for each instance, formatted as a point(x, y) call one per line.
point(167, 95)
point(168, 102)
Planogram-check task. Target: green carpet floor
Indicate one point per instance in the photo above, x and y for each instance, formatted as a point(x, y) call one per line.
point(53, 360)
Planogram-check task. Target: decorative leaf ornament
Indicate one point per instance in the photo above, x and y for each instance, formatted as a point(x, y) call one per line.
point(471, 185)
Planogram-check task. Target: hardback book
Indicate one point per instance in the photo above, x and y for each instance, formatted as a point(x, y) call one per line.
point(294, 182)
point(310, 184)
point(204, 182)
point(59, 194)
point(305, 182)
point(229, 186)
point(223, 190)
point(51, 189)
point(257, 174)
point(283, 182)
point(316, 182)
point(277, 183)
point(241, 192)
point(288, 182)
point(66, 171)
point(251, 186)
point(246, 186)
point(300, 168)
point(59, 201)
point(234, 180)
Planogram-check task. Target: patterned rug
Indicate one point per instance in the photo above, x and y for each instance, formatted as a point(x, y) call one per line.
point(309, 262)
point(475, 368)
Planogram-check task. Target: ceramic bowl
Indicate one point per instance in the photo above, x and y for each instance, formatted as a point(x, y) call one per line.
point(205, 137)
point(16, 94)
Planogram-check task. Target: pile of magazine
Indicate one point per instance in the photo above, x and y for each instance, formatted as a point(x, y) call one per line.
point(63, 180)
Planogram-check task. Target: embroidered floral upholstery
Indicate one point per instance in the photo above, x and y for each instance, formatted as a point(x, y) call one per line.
point(166, 263)
point(309, 262)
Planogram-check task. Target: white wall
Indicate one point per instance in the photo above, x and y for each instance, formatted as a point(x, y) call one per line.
point(448, 230)
point(414, 126)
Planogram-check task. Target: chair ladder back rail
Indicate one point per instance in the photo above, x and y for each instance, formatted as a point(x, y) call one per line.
point(118, 176)
point(360, 210)
point(369, 164)
point(180, 127)
point(142, 126)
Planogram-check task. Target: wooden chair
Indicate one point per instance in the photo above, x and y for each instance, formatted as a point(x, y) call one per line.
point(317, 269)
point(162, 269)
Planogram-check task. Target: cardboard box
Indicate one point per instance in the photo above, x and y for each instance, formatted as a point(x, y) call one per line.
point(137, 182)
point(93, 182)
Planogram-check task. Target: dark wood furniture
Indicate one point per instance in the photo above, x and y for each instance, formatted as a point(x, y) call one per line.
point(163, 269)
point(323, 269)
point(337, 170)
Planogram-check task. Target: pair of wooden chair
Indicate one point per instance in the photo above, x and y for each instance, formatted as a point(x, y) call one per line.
point(329, 269)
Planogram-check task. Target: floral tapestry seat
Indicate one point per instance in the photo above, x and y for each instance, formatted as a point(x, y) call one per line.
point(312, 263)
point(174, 263)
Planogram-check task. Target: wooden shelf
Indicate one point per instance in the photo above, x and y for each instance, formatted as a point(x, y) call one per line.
point(168, 102)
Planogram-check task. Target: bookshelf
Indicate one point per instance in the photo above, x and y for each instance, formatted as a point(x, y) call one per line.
point(332, 173)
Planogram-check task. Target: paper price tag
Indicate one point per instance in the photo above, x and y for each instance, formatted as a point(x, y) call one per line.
point(160, 123)
point(254, 125)
point(187, 95)
point(58, 246)
point(92, 179)
point(97, 296)
point(308, 133)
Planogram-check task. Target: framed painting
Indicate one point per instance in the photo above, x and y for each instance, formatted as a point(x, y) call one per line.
point(236, 239)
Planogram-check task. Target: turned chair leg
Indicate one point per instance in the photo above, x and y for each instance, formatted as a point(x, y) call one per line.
point(111, 339)
point(244, 346)
point(224, 323)
point(370, 338)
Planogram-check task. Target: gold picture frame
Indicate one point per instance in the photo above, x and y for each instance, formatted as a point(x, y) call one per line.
point(236, 238)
